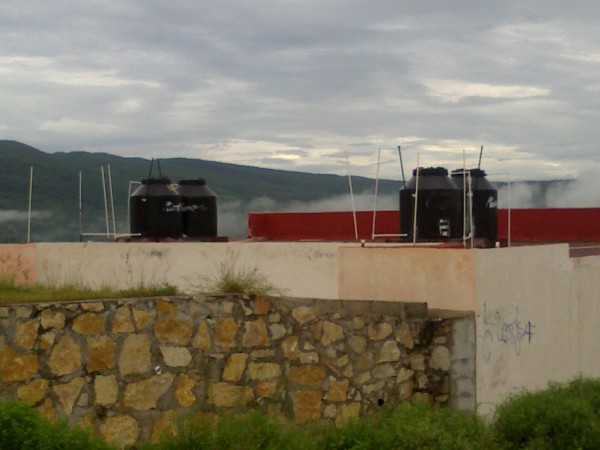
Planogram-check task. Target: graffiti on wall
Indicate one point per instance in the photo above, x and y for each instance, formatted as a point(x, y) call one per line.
point(504, 329)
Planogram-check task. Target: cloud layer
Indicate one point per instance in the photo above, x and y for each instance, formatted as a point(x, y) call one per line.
point(303, 85)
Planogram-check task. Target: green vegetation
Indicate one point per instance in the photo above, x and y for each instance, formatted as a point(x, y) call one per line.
point(252, 431)
point(230, 278)
point(559, 417)
point(411, 426)
point(22, 428)
point(563, 416)
point(12, 293)
point(407, 427)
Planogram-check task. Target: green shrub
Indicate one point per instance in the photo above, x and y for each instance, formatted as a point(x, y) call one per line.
point(22, 428)
point(411, 426)
point(407, 427)
point(253, 431)
point(559, 417)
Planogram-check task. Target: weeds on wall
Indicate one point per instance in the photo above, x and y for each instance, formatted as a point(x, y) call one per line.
point(10, 292)
point(233, 278)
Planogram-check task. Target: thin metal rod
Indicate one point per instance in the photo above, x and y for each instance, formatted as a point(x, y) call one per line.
point(29, 209)
point(129, 204)
point(471, 231)
point(480, 153)
point(105, 201)
point(416, 204)
point(151, 166)
point(464, 198)
point(509, 207)
point(351, 198)
point(80, 208)
point(112, 202)
point(376, 190)
point(402, 166)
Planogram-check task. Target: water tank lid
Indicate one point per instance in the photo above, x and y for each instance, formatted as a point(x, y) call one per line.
point(163, 180)
point(193, 182)
point(428, 171)
point(473, 172)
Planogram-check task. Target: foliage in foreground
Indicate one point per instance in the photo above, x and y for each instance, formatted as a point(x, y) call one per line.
point(407, 427)
point(559, 417)
point(565, 415)
point(11, 292)
point(22, 428)
point(230, 278)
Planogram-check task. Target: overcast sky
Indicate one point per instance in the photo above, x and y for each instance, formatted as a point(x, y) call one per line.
point(301, 85)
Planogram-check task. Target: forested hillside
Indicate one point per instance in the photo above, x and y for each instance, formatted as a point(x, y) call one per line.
point(56, 189)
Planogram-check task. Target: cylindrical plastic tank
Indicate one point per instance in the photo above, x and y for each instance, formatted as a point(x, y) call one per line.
point(438, 209)
point(485, 204)
point(155, 209)
point(198, 209)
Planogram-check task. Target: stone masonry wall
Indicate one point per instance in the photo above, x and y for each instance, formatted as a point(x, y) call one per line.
point(127, 368)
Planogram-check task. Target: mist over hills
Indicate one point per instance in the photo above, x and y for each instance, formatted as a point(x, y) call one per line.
point(55, 200)
point(240, 189)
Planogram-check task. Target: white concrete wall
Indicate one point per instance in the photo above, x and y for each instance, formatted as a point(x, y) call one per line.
point(527, 325)
point(585, 292)
point(537, 310)
point(298, 269)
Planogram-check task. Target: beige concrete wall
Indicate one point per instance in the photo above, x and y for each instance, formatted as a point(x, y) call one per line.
point(526, 321)
point(298, 269)
point(443, 278)
point(19, 261)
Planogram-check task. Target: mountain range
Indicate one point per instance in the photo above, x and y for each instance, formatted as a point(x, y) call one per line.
point(240, 189)
point(55, 190)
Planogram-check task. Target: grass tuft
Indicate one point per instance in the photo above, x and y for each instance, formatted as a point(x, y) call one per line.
point(232, 279)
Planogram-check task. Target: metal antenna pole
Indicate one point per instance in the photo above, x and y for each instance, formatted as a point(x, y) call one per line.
point(472, 228)
point(105, 201)
point(402, 166)
point(464, 199)
point(80, 210)
point(352, 198)
point(112, 202)
point(29, 210)
point(376, 190)
point(416, 204)
point(509, 208)
point(480, 153)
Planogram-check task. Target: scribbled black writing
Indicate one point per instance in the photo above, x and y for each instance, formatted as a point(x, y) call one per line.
point(511, 331)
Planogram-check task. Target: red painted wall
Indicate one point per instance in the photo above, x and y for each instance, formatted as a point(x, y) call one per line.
point(536, 225)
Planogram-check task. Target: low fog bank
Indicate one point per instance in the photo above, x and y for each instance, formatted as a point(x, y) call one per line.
point(233, 216)
point(584, 192)
point(581, 193)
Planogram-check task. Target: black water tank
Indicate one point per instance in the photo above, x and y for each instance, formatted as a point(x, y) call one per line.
point(198, 208)
point(155, 209)
point(438, 209)
point(485, 204)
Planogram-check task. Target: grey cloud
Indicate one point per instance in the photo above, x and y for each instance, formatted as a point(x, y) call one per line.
point(186, 78)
